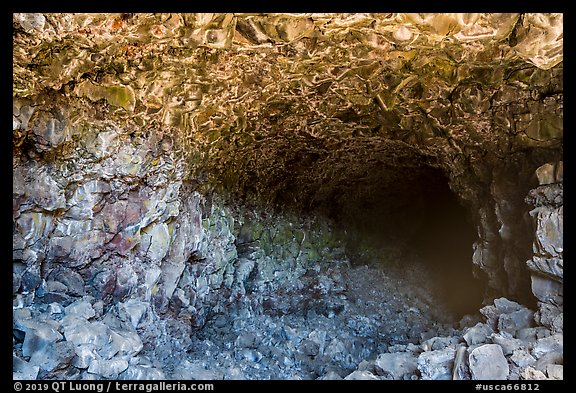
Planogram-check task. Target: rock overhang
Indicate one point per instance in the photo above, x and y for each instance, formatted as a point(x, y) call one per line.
point(295, 103)
point(311, 111)
point(129, 129)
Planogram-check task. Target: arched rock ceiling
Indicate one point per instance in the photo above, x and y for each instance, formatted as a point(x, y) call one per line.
point(301, 105)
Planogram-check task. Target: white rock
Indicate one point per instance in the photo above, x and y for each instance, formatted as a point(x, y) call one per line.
point(79, 331)
point(361, 376)
point(39, 336)
point(488, 362)
point(478, 334)
point(335, 347)
point(135, 310)
point(139, 372)
point(81, 308)
point(508, 343)
point(331, 376)
point(108, 368)
point(22, 370)
point(522, 358)
point(532, 374)
point(85, 353)
point(555, 371)
point(436, 365)
point(545, 345)
point(396, 365)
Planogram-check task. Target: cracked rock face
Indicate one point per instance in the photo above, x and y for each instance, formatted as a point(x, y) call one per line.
point(174, 163)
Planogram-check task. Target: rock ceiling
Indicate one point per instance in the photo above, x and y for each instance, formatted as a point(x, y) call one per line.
point(301, 106)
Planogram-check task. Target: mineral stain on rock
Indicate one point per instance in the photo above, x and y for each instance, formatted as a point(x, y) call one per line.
point(287, 196)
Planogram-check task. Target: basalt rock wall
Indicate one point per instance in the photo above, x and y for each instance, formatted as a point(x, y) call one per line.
point(169, 159)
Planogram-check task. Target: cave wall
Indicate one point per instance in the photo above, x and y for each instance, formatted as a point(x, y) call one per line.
point(114, 213)
point(142, 143)
point(547, 263)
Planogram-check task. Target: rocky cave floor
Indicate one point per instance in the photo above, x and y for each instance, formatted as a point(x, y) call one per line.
point(324, 327)
point(347, 322)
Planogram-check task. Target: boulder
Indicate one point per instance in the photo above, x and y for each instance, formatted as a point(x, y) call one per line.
point(554, 343)
point(53, 356)
point(38, 336)
point(531, 373)
point(79, 331)
point(361, 376)
point(478, 334)
point(335, 348)
point(80, 308)
point(522, 358)
point(514, 316)
point(487, 362)
point(508, 343)
point(436, 365)
point(555, 371)
point(135, 310)
point(22, 370)
point(396, 365)
point(108, 368)
point(516, 320)
point(309, 348)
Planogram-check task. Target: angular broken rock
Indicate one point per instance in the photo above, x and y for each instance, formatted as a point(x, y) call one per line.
point(123, 343)
point(532, 374)
point(39, 336)
point(436, 365)
point(396, 365)
point(487, 362)
point(196, 371)
point(334, 348)
point(460, 369)
point(108, 368)
point(546, 345)
point(514, 316)
point(135, 310)
point(508, 343)
point(81, 308)
point(438, 343)
point(53, 356)
point(555, 371)
point(547, 359)
point(71, 279)
point(79, 331)
point(319, 337)
point(309, 347)
point(85, 353)
point(478, 334)
point(361, 376)
point(516, 320)
point(246, 340)
point(331, 376)
point(22, 370)
point(522, 358)
point(551, 316)
point(140, 373)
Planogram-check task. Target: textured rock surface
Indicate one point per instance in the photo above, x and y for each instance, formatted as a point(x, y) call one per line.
point(487, 362)
point(547, 263)
point(265, 106)
point(396, 365)
point(437, 364)
point(170, 170)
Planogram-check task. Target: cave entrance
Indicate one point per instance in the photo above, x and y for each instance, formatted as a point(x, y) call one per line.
point(417, 221)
